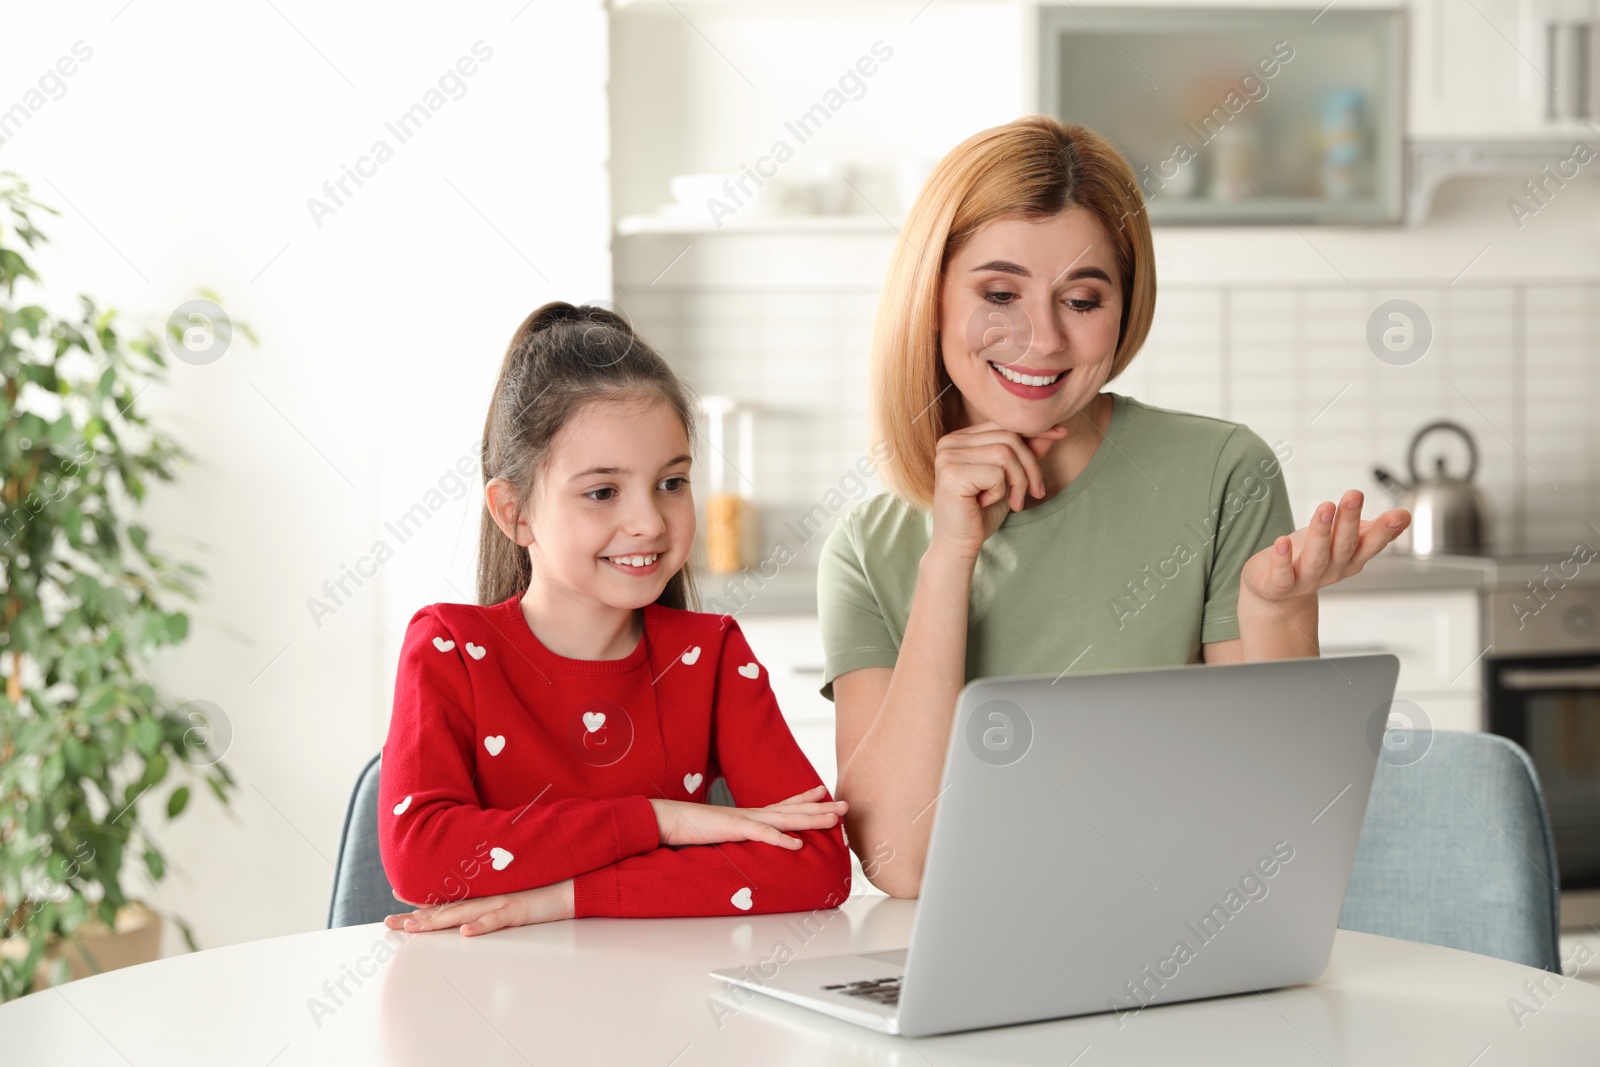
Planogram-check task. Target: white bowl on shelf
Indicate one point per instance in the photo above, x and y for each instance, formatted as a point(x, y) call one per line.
point(692, 192)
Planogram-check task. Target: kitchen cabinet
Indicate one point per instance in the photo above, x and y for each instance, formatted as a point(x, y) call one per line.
point(790, 647)
point(1502, 68)
point(1205, 144)
point(1436, 636)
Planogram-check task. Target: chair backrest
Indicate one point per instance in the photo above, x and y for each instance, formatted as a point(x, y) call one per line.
point(1456, 850)
point(361, 891)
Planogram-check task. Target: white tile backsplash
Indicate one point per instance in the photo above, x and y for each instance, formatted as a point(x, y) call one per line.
point(1517, 363)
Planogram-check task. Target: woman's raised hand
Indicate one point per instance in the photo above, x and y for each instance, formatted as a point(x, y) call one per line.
point(684, 822)
point(981, 473)
point(1336, 544)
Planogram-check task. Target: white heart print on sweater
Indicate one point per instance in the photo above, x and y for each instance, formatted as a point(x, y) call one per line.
point(475, 651)
point(741, 899)
point(593, 720)
point(692, 655)
point(442, 645)
point(499, 858)
point(751, 670)
point(495, 743)
point(400, 808)
point(691, 782)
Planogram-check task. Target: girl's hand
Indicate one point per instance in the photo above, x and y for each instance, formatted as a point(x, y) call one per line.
point(1329, 550)
point(683, 822)
point(481, 915)
point(981, 473)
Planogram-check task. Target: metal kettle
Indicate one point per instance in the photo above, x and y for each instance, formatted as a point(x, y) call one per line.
point(1447, 514)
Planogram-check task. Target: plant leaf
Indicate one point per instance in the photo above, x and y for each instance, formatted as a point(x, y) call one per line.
point(147, 736)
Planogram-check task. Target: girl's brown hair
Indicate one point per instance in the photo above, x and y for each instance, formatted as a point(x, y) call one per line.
point(563, 357)
point(1032, 168)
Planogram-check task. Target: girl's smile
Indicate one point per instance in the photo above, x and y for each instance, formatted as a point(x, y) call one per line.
point(610, 522)
point(635, 565)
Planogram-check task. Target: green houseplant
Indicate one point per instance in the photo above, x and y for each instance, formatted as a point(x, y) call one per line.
point(85, 738)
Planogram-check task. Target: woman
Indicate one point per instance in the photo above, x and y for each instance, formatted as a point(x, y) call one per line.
point(1037, 523)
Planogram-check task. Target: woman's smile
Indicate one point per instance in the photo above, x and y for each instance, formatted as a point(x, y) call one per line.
point(1028, 382)
point(1031, 312)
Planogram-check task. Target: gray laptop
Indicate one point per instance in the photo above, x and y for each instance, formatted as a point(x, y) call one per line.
point(1114, 840)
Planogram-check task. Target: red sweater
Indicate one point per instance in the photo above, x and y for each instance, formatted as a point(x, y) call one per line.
point(509, 767)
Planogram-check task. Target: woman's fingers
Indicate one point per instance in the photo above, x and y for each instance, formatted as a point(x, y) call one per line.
point(984, 482)
point(1346, 528)
point(1376, 535)
point(997, 474)
point(1280, 573)
point(1000, 447)
point(990, 443)
point(1334, 545)
point(1315, 549)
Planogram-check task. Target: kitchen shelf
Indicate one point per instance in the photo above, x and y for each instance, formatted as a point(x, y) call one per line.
point(631, 225)
point(1433, 161)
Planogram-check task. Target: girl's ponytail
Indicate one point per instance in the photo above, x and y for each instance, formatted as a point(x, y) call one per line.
point(562, 357)
point(545, 317)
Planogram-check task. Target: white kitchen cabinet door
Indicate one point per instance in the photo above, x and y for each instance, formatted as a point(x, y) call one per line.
point(1490, 68)
point(1444, 712)
point(1435, 635)
point(790, 647)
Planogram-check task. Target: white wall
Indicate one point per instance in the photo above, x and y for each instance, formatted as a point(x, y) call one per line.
point(188, 145)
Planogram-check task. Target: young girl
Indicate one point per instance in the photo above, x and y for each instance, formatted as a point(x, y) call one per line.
point(551, 751)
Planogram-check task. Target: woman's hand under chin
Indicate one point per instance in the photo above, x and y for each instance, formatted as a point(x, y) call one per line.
point(1333, 547)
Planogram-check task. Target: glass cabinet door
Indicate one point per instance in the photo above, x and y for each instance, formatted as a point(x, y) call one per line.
point(1266, 116)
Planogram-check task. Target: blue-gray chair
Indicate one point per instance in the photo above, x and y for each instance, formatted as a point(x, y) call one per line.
point(1456, 850)
point(361, 891)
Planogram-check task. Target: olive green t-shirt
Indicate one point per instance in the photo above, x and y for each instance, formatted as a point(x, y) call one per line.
point(1136, 563)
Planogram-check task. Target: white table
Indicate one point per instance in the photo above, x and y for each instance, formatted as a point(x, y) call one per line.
point(636, 992)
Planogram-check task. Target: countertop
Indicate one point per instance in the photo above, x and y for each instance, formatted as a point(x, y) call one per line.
point(793, 590)
point(1392, 572)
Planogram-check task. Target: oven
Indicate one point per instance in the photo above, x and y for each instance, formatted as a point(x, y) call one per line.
point(1542, 690)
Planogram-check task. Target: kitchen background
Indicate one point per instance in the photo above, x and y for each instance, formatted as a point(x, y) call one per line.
point(574, 165)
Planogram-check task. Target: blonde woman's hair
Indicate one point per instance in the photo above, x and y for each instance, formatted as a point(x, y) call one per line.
point(1032, 168)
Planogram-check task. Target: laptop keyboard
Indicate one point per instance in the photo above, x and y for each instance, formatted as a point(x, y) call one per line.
point(879, 990)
